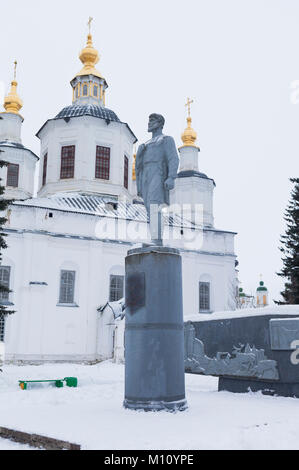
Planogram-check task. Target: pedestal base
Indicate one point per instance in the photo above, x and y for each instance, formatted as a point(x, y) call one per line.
point(154, 334)
point(267, 387)
point(171, 406)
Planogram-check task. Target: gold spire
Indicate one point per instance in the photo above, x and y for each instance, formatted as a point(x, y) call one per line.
point(12, 102)
point(189, 135)
point(89, 56)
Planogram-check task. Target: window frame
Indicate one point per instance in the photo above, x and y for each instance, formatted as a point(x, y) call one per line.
point(64, 168)
point(45, 168)
point(4, 296)
point(95, 86)
point(63, 297)
point(105, 160)
point(113, 297)
point(126, 172)
point(204, 304)
point(10, 166)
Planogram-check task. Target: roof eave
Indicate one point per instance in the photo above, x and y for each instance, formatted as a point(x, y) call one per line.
point(21, 148)
point(96, 117)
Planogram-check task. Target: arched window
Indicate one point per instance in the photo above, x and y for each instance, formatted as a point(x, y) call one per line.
point(67, 287)
point(78, 90)
point(85, 90)
point(116, 290)
point(95, 91)
point(204, 296)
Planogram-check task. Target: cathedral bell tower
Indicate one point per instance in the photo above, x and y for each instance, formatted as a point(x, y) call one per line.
point(18, 174)
point(11, 124)
point(88, 85)
point(191, 186)
point(262, 295)
point(85, 148)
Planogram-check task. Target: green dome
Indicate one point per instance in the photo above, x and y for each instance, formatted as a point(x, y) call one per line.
point(241, 293)
point(262, 287)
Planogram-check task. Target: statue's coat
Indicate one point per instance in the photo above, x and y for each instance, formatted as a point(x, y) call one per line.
point(156, 161)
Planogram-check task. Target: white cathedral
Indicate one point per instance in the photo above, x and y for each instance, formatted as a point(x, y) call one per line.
point(67, 244)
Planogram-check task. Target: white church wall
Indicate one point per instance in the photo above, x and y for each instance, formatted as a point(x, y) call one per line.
point(195, 190)
point(119, 343)
point(105, 334)
point(88, 225)
point(41, 328)
point(110, 336)
point(214, 269)
point(86, 132)
point(27, 163)
point(40, 246)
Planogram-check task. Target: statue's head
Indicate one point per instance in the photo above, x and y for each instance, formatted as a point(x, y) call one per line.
point(155, 121)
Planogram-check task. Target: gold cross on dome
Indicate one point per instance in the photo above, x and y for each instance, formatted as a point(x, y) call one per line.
point(15, 69)
point(89, 23)
point(189, 102)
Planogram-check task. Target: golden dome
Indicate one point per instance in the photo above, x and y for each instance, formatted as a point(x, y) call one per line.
point(89, 56)
point(12, 101)
point(189, 135)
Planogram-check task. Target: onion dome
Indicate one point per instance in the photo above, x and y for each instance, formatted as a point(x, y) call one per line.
point(241, 293)
point(89, 86)
point(89, 57)
point(261, 287)
point(189, 135)
point(12, 101)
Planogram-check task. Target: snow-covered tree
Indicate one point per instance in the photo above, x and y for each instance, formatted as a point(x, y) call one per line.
point(290, 249)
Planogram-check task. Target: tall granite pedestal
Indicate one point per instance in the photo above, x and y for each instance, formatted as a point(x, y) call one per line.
point(154, 335)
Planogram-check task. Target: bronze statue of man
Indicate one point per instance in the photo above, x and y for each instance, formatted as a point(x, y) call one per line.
point(156, 169)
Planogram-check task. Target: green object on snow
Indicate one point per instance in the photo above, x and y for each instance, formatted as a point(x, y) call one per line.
point(71, 381)
point(59, 383)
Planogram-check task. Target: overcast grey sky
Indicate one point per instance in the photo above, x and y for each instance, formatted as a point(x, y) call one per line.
point(236, 58)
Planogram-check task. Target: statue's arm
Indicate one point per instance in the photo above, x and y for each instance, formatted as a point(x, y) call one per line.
point(172, 161)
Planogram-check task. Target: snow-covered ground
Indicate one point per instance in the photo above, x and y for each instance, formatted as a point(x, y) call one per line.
point(5, 444)
point(92, 414)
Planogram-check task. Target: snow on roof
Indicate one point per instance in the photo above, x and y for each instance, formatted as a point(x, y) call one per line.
point(88, 110)
point(16, 145)
point(246, 312)
point(76, 110)
point(100, 205)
